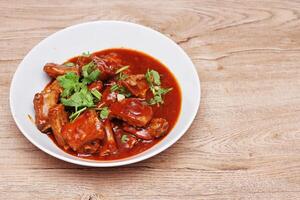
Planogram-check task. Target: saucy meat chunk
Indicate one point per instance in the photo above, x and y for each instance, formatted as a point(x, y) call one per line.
point(108, 97)
point(107, 64)
point(110, 146)
point(141, 133)
point(155, 129)
point(43, 101)
point(55, 70)
point(126, 141)
point(83, 60)
point(133, 111)
point(136, 84)
point(58, 117)
point(87, 129)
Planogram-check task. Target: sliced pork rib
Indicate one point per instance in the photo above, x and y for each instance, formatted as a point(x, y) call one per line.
point(87, 129)
point(133, 111)
point(43, 101)
point(55, 70)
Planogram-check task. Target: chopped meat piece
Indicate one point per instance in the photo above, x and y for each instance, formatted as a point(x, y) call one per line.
point(128, 141)
point(86, 129)
point(107, 64)
point(90, 148)
point(133, 111)
point(83, 60)
point(141, 133)
point(136, 84)
point(156, 128)
point(108, 97)
point(125, 140)
point(98, 85)
point(55, 70)
point(43, 101)
point(58, 117)
point(110, 146)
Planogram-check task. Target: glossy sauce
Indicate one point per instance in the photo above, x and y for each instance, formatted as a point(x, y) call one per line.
point(139, 63)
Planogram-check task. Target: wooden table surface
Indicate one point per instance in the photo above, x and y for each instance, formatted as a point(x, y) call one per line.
point(245, 140)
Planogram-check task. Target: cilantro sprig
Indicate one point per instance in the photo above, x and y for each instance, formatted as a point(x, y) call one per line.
point(104, 112)
point(82, 98)
point(120, 90)
point(76, 114)
point(124, 139)
point(120, 73)
point(153, 79)
point(122, 69)
point(75, 91)
point(86, 54)
point(90, 73)
point(70, 83)
point(69, 64)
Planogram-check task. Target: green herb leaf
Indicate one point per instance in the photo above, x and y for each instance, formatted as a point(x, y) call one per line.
point(97, 94)
point(76, 114)
point(90, 73)
point(104, 112)
point(152, 77)
point(114, 88)
point(124, 139)
point(91, 77)
point(122, 76)
point(83, 98)
point(122, 69)
point(88, 68)
point(158, 93)
point(70, 83)
point(86, 54)
point(69, 64)
point(120, 90)
point(124, 91)
point(163, 91)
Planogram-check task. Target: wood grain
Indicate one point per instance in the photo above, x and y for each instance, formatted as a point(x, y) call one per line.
point(245, 140)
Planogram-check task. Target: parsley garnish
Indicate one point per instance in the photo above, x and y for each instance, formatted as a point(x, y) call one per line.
point(158, 92)
point(124, 139)
point(76, 93)
point(69, 64)
point(153, 79)
point(70, 83)
point(122, 76)
point(76, 114)
point(90, 73)
point(86, 54)
point(82, 98)
point(122, 69)
point(104, 112)
point(96, 94)
point(120, 90)
point(114, 88)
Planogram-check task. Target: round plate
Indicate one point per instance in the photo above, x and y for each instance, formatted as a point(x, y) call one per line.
point(94, 36)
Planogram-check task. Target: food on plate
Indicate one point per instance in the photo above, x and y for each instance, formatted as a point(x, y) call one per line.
point(107, 105)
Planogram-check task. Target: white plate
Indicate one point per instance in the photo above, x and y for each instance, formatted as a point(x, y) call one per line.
point(94, 36)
